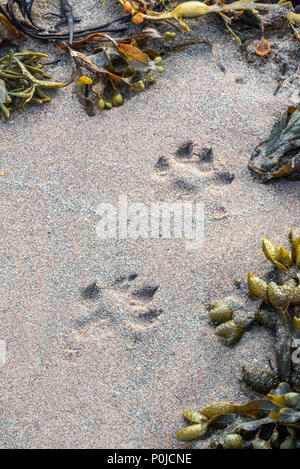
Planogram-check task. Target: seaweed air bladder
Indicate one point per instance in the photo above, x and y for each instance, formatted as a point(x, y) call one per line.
point(227, 12)
point(273, 421)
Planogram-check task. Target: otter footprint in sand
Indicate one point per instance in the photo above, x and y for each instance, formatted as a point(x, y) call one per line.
point(187, 153)
point(91, 292)
point(189, 156)
point(134, 299)
point(190, 166)
point(125, 308)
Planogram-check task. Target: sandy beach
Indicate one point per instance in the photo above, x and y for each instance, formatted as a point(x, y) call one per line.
point(115, 366)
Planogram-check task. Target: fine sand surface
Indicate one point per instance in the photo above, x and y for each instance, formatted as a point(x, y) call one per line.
point(116, 370)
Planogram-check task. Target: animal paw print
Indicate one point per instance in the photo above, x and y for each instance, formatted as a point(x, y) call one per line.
point(125, 308)
point(190, 166)
point(201, 159)
point(135, 299)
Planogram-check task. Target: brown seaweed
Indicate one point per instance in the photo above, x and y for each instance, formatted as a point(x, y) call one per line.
point(271, 422)
point(279, 155)
point(29, 28)
point(19, 84)
point(113, 64)
point(268, 423)
point(262, 13)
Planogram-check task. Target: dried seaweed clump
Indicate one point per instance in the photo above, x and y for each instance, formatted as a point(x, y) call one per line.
point(274, 421)
point(269, 423)
point(11, 11)
point(114, 63)
point(262, 14)
point(279, 155)
point(18, 83)
point(279, 311)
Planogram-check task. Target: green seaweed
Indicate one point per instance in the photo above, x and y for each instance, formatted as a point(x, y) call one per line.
point(279, 155)
point(271, 422)
point(115, 64)
point(18, 84)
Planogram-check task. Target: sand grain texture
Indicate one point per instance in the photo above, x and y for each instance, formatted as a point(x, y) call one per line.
point(115, 369)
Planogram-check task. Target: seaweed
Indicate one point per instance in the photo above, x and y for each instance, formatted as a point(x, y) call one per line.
point(10, 28)
point(122, 61)
point(114, 63)
point(279, 155)
point(31, 29)
point(273, 421)
point(18, 83)
point(269, 423)
point(67, 17)
point(262, 14)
